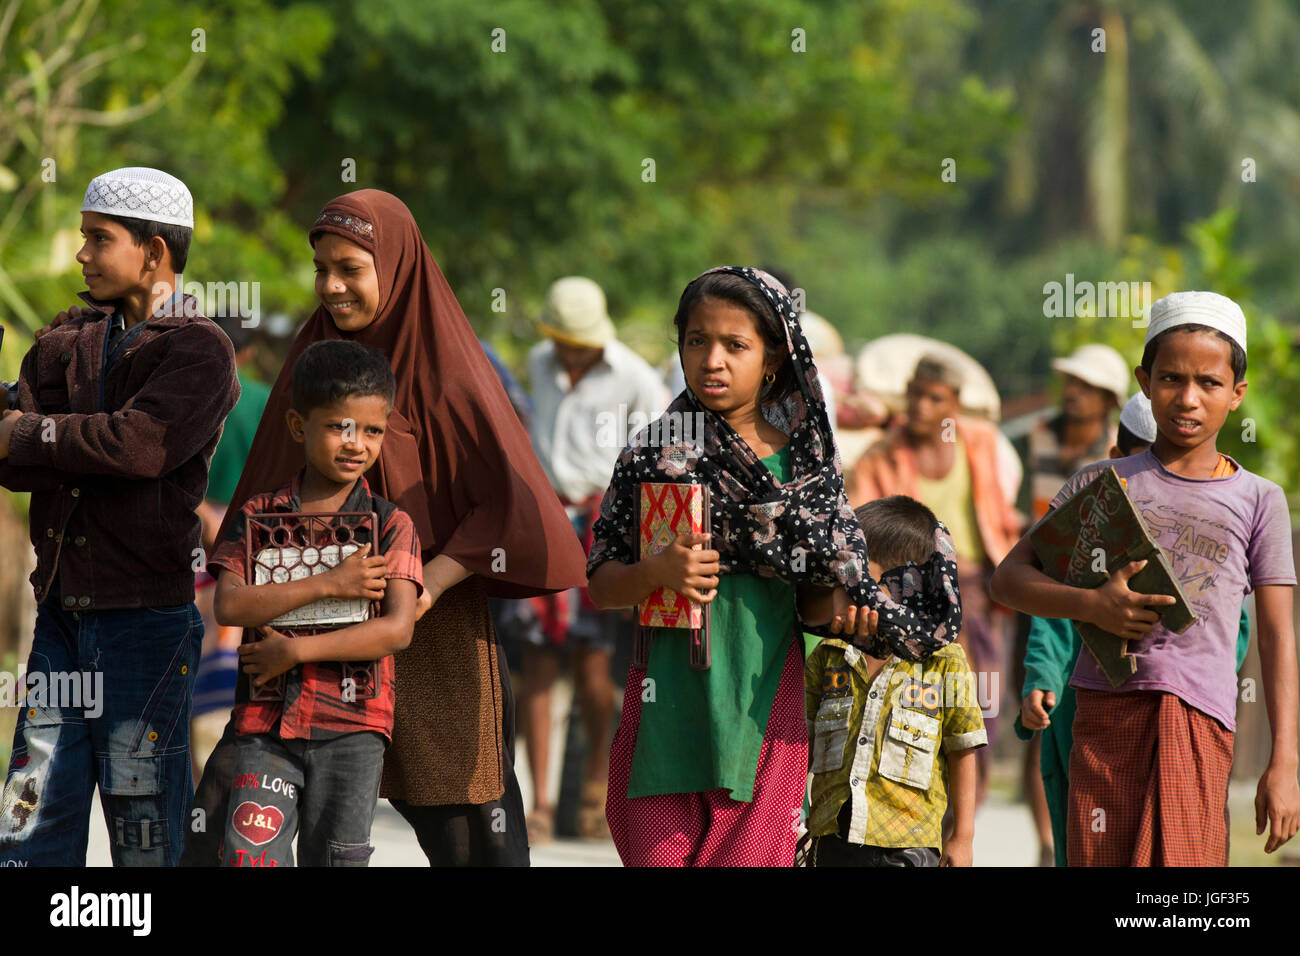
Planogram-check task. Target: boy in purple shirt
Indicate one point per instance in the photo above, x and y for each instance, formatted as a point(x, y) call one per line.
point(1150, 763)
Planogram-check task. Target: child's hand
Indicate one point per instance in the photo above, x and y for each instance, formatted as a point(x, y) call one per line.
point(693, 573)
point(268, 658)
point(1123, 612)
point(360, 575)
point(957, 851)
point(74, 312)
point(1277, 806)
point(849, 619)
point(7, 422)
point(1033, 709)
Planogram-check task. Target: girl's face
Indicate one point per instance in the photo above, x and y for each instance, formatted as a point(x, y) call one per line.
point(724, 357)
point(346, 282)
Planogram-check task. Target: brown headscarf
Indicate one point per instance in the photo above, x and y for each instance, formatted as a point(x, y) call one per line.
point(455, 457)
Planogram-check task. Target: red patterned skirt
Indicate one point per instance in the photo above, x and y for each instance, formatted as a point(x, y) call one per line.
point(710, 828)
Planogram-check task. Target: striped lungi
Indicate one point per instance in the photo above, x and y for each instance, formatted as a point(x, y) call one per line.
point(1148, 782)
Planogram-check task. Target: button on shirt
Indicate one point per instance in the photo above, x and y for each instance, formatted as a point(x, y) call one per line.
point(882, 743)
point(578, 432)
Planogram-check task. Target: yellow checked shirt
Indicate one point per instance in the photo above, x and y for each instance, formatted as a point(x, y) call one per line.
point(882, 743)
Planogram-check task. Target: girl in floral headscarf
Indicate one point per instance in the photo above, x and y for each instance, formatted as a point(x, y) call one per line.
point(709, 766)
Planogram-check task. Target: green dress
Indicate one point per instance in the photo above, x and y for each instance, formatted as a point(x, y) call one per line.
point(236, 438)
point(703, 730)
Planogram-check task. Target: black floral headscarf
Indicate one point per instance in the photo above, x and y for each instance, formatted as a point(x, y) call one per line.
point(802, 531)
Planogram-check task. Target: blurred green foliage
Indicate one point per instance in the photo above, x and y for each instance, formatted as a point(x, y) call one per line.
point(808, 134)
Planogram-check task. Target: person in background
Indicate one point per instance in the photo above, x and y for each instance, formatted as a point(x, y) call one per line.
point(218, 673)
point(1095, 381)
point(950, 463)
point(588, 390)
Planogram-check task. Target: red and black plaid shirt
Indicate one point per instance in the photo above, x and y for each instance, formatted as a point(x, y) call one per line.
point(313, 707)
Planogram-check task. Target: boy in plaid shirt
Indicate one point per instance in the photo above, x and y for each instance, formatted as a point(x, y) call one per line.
point(309, 764)
point(879, 727)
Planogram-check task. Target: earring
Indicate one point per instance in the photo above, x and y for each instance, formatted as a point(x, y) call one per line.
point(769, 378)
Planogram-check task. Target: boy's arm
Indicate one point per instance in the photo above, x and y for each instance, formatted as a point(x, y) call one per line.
point(1048, 653)
point(1019, 582)
point(165, 424)
point(958, 849)
point(369, 640)
point(1277, 799)
point(812, 692)
point(963, 733)
point(18, 477)
point(238, 604)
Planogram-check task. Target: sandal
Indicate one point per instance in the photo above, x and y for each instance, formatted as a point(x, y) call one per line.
point(541, 826)
point(591, 811)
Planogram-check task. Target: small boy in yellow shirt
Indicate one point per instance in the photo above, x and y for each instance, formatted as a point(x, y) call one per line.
point(879, 728)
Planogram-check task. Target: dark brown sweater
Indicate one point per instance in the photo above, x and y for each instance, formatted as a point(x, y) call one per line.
point(114, 486)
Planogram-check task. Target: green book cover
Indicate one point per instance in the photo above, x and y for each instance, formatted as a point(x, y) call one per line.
point(1091, 535)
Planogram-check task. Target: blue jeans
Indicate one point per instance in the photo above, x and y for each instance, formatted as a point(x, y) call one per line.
point(121, 719)
point(321, 791)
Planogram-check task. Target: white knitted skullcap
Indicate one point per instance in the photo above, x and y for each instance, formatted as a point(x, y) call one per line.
point(139, 192)
point(1198, 308)
point(1137, 418)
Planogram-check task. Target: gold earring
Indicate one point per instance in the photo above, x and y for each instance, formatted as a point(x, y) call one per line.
point(769, 378)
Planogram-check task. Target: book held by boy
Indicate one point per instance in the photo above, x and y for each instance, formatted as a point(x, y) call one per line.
point(1094, 533)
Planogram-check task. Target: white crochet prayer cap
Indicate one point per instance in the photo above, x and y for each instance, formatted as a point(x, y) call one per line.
point(1197, 308)
point(1137, 418)
point(139, 192)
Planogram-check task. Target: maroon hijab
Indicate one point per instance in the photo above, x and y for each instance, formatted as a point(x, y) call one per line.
point(455, 457)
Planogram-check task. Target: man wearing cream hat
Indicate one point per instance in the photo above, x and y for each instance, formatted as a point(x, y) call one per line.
point(591, 395)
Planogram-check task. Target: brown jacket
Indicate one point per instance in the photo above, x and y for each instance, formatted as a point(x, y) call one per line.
point(114, 487)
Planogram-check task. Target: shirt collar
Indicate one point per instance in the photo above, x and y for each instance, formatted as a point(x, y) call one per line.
point(166, 313)
point(357, 500)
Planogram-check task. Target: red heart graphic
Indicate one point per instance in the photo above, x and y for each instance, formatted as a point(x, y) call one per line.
point(257, 824)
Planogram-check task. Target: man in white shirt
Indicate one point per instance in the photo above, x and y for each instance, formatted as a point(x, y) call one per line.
point(591, 394)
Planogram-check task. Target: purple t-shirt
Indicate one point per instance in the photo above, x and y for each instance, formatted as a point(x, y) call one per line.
point(1224, 537)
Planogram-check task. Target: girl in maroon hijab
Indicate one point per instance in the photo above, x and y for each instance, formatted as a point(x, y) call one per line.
point(456, 459)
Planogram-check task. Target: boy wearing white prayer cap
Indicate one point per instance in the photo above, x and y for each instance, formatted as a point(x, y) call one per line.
point(1154, 754)
point(120, 409)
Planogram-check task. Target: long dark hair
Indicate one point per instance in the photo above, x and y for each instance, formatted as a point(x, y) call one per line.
point(734, 289)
